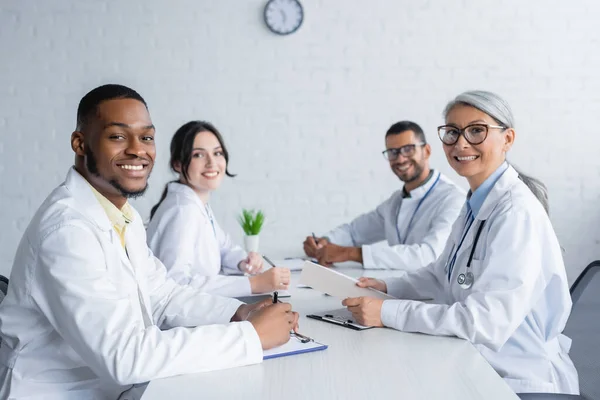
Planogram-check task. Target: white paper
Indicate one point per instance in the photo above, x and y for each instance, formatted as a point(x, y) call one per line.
point(293, 346)
point(336, 284)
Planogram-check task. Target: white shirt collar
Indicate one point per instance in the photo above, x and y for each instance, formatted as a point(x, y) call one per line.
point(419, 192)
point(186, 191)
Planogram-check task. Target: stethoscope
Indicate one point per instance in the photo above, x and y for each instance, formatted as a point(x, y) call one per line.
point(465, 280)
point(414, 213)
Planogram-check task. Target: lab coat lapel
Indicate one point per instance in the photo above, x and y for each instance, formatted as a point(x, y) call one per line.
point(85, 201)
point(504, 184)
point(123, 254)
point(137, 252)
point(183, 191)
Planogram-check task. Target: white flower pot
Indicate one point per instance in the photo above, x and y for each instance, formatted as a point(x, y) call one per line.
point(251, 243)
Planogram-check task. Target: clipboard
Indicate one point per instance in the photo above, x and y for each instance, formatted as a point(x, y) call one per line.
point(255, 298)
point(294, 346)
point(341, 317)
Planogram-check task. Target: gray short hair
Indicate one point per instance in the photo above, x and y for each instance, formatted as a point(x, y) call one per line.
point(487, 102)
point(497, 108)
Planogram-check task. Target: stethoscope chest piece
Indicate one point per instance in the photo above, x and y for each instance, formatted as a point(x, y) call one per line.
point(465, 280)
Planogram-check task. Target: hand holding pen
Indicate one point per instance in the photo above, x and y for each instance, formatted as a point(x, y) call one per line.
point(312, 244)
point(294, 331)
point(273, 324)
point(315, 238)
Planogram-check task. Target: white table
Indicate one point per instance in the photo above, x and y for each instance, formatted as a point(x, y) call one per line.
point(376, 363)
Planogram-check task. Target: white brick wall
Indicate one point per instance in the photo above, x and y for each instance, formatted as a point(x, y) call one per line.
point(304, 116)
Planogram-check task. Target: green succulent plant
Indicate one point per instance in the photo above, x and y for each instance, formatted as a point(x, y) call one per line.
point(251, 221)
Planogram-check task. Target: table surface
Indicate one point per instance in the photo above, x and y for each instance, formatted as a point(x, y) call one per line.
point(375, 363)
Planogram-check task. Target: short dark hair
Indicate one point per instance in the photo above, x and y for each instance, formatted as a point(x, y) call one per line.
point(88, 105)
point(182, 147)
point(403, 126)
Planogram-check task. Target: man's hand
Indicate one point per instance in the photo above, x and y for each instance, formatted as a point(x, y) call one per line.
point(311, 246)
point(376, 284)
point(273, 324)
point(244, 310)
point(331, 253)
point(365, 310)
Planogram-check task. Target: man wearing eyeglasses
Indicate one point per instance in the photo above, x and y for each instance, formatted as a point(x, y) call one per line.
point(408, 230)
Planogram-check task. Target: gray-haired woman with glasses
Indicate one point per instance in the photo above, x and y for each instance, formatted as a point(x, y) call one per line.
point(500, 282)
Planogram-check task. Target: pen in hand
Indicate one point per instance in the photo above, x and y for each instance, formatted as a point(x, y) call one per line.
point(269, 261)
point(315, 238)
point(275, 294)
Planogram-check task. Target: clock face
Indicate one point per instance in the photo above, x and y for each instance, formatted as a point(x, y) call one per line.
point(283, 16)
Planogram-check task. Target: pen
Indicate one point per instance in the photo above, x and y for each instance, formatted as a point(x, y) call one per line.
point(269, 261)
point(302, 338)
point(275, 294)
point(315, 238)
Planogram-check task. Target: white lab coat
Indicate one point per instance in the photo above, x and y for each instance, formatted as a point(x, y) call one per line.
point(181, 235)
point(426, 238)
point(72, 325)
point(519, 303)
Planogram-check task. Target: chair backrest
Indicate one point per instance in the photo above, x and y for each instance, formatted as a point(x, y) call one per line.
point(583, 328)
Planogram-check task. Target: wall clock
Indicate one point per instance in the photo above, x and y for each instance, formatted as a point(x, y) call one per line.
point(283, 17)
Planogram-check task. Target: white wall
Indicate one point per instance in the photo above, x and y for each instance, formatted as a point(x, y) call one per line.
point(304, 116)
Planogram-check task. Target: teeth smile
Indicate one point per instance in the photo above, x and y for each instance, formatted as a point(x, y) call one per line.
point(468, 158)
point(210, 174)
point(403, 167)
point(133, 167)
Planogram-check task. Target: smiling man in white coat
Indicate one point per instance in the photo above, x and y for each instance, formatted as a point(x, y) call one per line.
point(89, 311)
point(414, 222)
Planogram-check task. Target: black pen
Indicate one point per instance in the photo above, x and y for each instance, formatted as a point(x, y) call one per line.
point(315, 238)
point(302, 338)
point(269, 261)
point(275, 294)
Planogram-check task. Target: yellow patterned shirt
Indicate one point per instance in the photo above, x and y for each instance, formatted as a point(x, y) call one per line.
point(118, 218)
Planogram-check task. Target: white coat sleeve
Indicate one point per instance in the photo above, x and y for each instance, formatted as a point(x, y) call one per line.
point(365, 229)
point(417, 285)
point(177, 249)
point(509, 282)
point(414, 256)
point(96, 317)
point(176, 305)
point(231, 254)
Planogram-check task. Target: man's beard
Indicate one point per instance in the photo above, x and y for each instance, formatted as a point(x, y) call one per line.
point(418, 171)
point(92, 167)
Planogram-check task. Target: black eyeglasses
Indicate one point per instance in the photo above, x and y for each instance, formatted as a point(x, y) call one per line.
point(404, 151)
point(474, 133)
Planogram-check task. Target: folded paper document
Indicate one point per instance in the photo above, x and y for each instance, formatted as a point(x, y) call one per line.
point(335, 284)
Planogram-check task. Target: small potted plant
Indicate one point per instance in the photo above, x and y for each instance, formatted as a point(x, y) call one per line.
point(251, 222)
